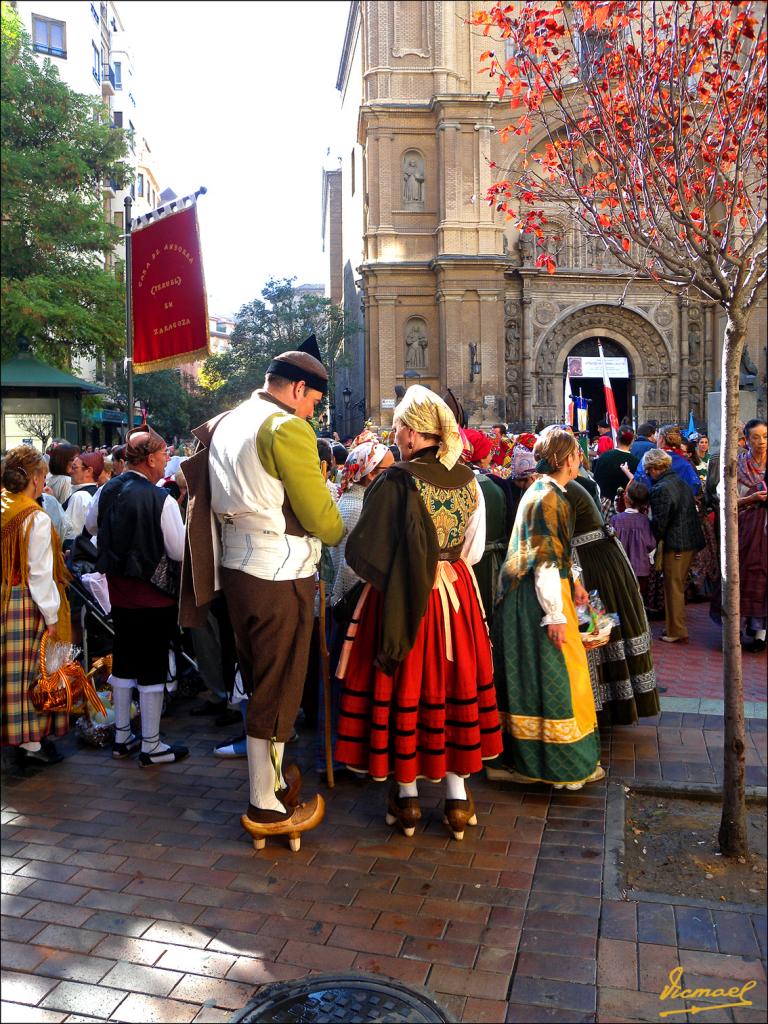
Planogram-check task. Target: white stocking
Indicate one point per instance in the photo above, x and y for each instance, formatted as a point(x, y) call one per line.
point(454, 787)
point(122, 691)
point(261, 773)
point(408, 789)
point(151, 709)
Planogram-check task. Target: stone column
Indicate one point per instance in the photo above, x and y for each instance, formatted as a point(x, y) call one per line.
point(710, 349)
point(453, 357)
point(526, 344)
point(489, 235)
point(373, 174)
point(389, 175)
point(448, 141)
point(682, 398)
point(389, 359)
point(491, 331)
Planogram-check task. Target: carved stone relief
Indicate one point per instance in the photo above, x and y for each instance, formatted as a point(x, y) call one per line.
point(544, 312)
point(413, 180)
point(694, 333)
point(663, 315)
point(416, 344)
point(512, 332)
point(512, 356)
point(525, 248)
point(654, 355)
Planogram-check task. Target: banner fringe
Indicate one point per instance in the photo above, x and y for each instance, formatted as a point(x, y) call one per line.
point(171, 362)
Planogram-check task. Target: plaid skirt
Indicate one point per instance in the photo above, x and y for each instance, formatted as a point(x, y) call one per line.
point(23, 629)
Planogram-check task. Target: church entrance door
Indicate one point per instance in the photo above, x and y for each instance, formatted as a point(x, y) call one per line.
point(583, 356)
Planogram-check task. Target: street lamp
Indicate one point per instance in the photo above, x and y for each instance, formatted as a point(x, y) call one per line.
point(347, 394)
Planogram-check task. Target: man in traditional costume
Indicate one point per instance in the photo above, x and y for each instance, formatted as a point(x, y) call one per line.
point(258, 513)
point(140, 540)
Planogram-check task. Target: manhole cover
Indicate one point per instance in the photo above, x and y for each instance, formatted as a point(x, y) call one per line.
point(340, 999)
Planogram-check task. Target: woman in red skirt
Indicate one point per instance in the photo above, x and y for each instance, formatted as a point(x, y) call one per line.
point(418, 699)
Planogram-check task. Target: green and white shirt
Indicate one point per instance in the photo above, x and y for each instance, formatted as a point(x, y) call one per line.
point(267, 492)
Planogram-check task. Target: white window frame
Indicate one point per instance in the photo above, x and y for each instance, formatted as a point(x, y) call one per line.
point(48, 49)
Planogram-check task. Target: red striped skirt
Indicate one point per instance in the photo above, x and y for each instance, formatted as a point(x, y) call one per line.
point(437, 713)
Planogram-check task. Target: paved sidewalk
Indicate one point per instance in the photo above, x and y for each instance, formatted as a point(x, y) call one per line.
point(133, 895)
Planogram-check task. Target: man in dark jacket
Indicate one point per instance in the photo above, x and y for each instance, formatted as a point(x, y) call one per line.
point(675, 523)
point(645, 440)
point(607, 469)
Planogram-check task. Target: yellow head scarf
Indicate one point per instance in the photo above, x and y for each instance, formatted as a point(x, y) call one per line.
point(424, 411)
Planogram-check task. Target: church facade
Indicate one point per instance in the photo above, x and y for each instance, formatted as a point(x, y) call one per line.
point(451, 296)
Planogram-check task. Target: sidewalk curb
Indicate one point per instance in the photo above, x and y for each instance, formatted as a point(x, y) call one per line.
point(698, 790)
point(613, 863)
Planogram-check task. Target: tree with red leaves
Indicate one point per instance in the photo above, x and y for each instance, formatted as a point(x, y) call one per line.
point(647, 120)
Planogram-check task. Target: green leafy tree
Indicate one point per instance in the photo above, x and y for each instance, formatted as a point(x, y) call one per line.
point(281, 319)
point(56, 150)
point(161, 395)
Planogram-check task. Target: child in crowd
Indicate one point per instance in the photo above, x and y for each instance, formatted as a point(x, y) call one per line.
point(634, 531)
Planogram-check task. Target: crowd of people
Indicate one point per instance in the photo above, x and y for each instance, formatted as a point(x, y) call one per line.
point(442, 577)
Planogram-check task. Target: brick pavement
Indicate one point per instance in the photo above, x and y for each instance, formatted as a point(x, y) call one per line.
point(131, 895)
point(699, 673)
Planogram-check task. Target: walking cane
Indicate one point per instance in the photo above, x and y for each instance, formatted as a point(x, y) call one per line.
point(326, 689)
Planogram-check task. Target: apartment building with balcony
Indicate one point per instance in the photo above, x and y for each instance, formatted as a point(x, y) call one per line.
point(89, 45)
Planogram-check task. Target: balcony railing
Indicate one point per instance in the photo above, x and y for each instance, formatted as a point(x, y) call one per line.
point(107, 80)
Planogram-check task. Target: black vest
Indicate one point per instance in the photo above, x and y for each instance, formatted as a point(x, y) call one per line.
point(130, 533)
point(90, 488)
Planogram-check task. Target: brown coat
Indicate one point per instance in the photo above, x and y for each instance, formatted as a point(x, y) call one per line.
point(197, 568)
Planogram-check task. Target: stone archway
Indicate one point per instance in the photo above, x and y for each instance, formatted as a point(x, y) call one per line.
point(655, 375)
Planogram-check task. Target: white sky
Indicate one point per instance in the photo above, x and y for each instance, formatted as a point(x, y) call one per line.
point(241, 97)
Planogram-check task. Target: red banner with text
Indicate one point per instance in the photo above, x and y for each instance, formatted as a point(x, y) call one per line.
point(170, 314)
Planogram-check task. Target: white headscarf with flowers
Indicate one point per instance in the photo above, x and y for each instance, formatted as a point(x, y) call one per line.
point(360, 462)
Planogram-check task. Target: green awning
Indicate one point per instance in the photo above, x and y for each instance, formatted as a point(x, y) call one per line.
point(27, 372)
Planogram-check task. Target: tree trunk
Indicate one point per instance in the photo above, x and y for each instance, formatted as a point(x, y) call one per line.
point(733, 826)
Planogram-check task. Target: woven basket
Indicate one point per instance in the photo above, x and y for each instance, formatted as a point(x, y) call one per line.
point(592, 641)
point(67, 689)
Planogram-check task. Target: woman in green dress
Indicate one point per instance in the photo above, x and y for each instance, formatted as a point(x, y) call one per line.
point(542, 679)
point(622, 672)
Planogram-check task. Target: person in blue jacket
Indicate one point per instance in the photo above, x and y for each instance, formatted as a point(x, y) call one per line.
point(645, 440)
point(671, 441)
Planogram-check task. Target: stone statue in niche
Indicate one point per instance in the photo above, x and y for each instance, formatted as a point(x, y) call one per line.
point(525, 246)
point(664, 391)
point(652, 392)
point(413, 179)
point(694, 340)
point(549, 391)
point(513, 403)
point(747, 372)
point(512, 331)
point(416, 346)
point(512, 338)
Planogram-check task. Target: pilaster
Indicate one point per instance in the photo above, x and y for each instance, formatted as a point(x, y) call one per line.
point(681, 391)
point(527, 353)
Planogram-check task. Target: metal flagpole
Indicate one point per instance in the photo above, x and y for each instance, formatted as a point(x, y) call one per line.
point(128, 312)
